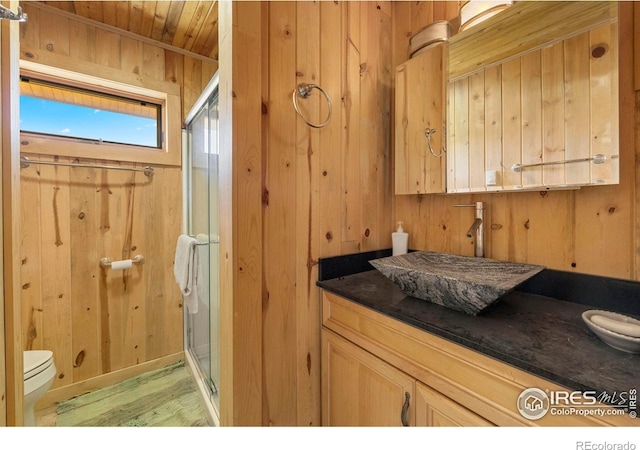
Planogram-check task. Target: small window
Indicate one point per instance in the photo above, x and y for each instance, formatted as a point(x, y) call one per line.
point(53, 109)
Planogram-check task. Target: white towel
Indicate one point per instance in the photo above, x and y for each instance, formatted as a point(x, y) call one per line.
point(185, 270)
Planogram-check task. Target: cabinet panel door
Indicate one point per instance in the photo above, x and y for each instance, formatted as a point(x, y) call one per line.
point(546, 119)
point(359, 389)
point(420, 107)
point(436, 410)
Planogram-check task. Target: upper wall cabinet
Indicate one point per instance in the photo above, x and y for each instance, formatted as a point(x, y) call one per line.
point(533, 99)
point(420, 123)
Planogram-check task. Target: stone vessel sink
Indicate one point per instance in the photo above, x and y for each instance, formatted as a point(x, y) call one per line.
point(462, 283)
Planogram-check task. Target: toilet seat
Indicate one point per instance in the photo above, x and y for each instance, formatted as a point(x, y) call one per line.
point(39, 373)
point(36, 362)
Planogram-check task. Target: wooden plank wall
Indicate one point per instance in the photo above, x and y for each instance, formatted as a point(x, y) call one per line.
point(590, 230)
point(97, 321)
point(3, 365)
point(241, 231)
point(11, 364)
point(327, 192)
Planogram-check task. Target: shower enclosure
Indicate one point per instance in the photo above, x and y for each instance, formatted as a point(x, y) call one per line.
point(200, 175)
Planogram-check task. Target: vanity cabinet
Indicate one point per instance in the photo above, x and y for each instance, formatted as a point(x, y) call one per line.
point(419, 109)
point(436, 410)
point(363, 390)
point(541, 114)
point(370, 362)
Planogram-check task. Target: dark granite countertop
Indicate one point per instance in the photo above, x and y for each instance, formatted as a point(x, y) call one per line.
point(539, 334)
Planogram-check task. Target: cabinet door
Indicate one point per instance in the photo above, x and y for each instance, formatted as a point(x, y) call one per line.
point(436, 410)
point(546, 119)
point(420, 107)
point(359, 389)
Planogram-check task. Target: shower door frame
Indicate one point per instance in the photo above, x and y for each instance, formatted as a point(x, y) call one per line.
point(209, 387)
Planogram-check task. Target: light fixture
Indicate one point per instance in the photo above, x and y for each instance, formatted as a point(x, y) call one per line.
point(473, 12)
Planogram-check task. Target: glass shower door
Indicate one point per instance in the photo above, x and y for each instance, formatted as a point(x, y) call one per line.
point(202, 323)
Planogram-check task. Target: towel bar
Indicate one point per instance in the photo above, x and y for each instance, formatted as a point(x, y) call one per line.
point(26, 162)
point(206, 243)
point(304, 91)
point(215, 241)
point(596, 159)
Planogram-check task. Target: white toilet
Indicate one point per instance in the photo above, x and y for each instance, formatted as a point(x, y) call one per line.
point(39, 372)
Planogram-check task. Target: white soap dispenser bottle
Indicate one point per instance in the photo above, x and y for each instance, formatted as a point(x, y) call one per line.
point(399, 239)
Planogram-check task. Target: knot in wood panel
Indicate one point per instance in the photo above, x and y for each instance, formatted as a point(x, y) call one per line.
point(599, 50)
point(79, 359)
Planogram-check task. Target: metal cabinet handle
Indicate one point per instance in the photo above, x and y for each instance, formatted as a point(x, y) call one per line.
point(405, 410)
point(427, 133)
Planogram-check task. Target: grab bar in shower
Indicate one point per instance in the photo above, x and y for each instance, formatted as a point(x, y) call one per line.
point(26, 162)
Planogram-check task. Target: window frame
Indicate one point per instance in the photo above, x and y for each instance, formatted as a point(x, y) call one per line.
point(167, 95)
point(154, 110)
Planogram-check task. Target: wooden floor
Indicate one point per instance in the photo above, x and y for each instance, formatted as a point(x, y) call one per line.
point(162, 398)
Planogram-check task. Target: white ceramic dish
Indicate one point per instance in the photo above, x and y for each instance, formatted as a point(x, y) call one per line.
point(616, 340)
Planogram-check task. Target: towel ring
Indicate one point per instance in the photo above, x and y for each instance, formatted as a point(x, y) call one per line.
point(304, 91)
point(427, 133)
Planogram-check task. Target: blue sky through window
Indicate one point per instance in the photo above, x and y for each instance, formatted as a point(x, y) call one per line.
point(63, 119)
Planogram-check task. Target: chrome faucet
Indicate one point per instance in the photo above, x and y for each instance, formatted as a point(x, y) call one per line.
point(477, 227)
point(474, 227)
point(6, 13)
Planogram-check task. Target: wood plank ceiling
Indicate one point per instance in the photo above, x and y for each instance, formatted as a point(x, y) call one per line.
point(188, 25)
